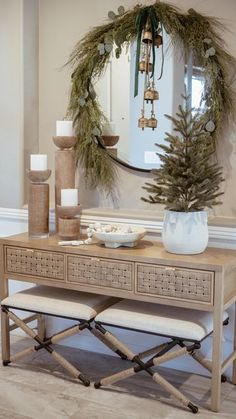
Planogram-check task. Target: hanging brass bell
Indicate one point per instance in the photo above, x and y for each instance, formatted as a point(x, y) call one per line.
point(147, 37)
point(143, 66)
point(151, 95)
point(158, 41)
point(152, 122)
point(142, 122)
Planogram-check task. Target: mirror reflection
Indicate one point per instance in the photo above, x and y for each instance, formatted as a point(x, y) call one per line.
point(115, 91)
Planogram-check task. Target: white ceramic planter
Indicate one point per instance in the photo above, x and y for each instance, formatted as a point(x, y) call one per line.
point(185, 232)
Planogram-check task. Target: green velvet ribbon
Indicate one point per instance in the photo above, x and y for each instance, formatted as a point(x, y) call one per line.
point(147, 14)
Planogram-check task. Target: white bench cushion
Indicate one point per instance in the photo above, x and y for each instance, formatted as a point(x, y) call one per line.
point(59, 302)
point(160, 319)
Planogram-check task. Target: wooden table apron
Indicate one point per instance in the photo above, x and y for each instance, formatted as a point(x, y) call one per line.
point(146, 273)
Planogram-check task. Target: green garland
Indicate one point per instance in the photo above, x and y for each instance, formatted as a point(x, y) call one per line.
point(188, 31)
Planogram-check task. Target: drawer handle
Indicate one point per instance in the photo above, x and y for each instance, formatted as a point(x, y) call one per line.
point(30, 250)
point(96, 259)
point(169, 268)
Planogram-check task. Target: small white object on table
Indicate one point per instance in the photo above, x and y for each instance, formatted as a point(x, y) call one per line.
point(114, 235)
point(75, 242)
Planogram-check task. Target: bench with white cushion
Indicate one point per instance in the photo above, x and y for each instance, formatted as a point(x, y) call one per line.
point(43, 300)
point(183, 327)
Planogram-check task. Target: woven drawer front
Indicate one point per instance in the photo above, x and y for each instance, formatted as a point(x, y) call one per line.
point(174, 282)
point(100, 272)
point(35, 262)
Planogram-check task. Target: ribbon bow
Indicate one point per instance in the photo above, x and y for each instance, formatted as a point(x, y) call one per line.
point(147, 14)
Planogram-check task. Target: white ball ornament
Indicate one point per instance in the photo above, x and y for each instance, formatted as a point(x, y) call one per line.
point(210, 126)
point(211, 51)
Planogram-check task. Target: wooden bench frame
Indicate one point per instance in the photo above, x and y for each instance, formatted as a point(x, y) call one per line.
point(161, 355)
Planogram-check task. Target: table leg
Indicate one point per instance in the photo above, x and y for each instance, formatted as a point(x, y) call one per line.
point(217, 344)
point(234, 362)
point(5, 332)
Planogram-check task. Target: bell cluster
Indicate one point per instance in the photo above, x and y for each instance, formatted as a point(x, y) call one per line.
point(150, 94)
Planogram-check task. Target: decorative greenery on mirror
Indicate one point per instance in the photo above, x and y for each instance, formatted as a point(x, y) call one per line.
point(191, 32)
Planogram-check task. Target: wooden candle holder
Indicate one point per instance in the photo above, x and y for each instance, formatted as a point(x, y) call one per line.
point(64, 168)
point(65, 143)
point(38, 206)
point(69, 222)
point(110, 140)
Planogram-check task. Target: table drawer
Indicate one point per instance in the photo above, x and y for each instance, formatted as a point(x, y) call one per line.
point(100, 272)
point(35, 262)
point(164, 281)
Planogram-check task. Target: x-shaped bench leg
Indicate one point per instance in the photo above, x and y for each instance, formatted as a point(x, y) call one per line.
point(46, 344)
point(205, 363)
point(160, 357)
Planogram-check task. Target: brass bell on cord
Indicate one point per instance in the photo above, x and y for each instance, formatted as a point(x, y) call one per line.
point(150, 94)
point(147, 35)
point(152, 122)
point(145, 66)
point(143, 122)
point(158, 41)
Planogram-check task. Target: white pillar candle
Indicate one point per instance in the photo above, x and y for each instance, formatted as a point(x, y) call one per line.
point(109, 129)
point(38, 162)
point(64, 129)
point(69, 197)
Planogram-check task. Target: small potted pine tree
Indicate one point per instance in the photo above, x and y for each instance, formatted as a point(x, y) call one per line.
point(187, 183)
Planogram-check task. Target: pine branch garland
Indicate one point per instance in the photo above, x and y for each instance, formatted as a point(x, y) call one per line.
point(189, 32)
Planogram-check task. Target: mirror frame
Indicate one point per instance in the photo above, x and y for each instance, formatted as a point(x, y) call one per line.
point(191, 32)
point(119, 161)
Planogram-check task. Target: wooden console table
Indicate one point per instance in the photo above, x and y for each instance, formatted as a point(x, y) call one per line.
point(146, 273)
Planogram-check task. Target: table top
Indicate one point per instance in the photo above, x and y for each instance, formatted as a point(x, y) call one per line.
point(216, 259)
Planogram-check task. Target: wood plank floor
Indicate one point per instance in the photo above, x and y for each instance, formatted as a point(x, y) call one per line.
point(30, 390)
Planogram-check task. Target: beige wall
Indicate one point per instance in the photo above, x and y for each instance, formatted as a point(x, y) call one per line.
point(11, 129)
point(30, 83)
point(30, 80)
point(19, 96)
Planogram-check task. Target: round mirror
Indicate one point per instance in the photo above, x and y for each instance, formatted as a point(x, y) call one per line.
point(115, 91)
point(108, 61)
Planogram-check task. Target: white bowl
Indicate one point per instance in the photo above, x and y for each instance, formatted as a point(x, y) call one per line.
point(114, 240)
